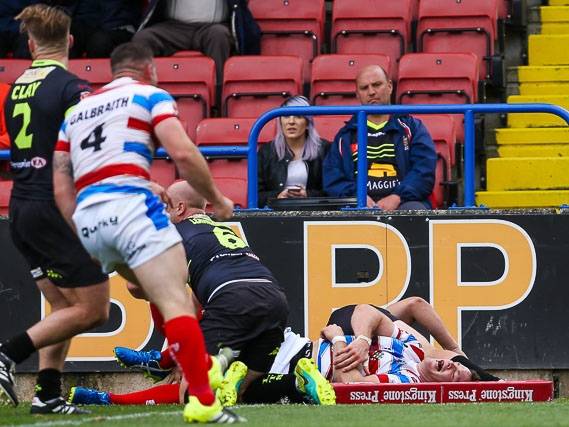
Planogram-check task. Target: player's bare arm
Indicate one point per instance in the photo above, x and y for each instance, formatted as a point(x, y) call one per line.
point(64, 186)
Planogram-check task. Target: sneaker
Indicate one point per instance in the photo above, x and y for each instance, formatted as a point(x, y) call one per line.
point(89, 396)
point(220, 363)
point(145, 361)
point(195, 412)
point(229, 387)
point(56, 406)
point(7, 372)
point(311, 382)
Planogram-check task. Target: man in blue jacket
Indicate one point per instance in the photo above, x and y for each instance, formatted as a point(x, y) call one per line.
point(401, 154)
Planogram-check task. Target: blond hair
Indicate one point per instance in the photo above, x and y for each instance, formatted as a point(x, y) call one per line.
point(47, 25)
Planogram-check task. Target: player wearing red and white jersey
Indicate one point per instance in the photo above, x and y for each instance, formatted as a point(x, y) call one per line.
point(113, 130)
point(102, 188)
point(392, 359)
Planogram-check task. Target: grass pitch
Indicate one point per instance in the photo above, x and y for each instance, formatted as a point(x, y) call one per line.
point(554, 413)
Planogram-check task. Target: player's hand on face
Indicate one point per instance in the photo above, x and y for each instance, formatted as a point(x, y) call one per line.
point(224, 209)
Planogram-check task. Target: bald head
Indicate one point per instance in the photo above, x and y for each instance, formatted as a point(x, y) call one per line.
point(374, 87)
point(186, 201)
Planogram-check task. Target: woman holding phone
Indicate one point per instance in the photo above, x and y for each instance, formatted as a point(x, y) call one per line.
point(290, 166)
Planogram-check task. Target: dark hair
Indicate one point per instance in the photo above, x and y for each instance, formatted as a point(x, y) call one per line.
point(130, 55)
point(479, 374)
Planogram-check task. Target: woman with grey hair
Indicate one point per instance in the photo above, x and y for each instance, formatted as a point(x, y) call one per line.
point(290, 166)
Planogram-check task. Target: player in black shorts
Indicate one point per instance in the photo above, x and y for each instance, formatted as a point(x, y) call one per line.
point(244, 307)
point(70, 281)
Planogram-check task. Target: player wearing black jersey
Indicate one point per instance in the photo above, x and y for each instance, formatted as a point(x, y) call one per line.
point(244, 307)
point(70, 281)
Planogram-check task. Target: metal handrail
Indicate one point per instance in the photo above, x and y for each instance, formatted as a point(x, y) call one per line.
point(469, 110)
point(362, 111)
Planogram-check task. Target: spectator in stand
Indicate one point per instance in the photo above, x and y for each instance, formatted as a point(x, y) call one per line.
point(98, 26)
point(11, 40)
point(217, 28)
point(401, 156)
point(290, 166)
point(4, 137)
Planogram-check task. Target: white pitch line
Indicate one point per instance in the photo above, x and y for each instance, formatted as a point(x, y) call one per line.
point(98, 419)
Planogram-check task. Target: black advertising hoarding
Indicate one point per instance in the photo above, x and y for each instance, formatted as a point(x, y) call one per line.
point(498, 280)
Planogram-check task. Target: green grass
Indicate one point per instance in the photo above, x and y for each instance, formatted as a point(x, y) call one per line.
point(554, 413)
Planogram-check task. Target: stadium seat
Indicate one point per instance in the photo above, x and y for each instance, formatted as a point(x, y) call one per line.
point(11, 69)
point(439, 78)
point(291, 27)
point(163, 171)
point(328, 126)
point(442, 130)
point(191, 81)
point(96, 71)
point(233, 187)
point(5, 191)
point(463, 26)
point(231, 131)
point(253, 85)
point(333, 80)
point(372, 26)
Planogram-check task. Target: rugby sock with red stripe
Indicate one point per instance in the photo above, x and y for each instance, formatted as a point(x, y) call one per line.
point(161, 394)
point(166, 362)
point(187, 348)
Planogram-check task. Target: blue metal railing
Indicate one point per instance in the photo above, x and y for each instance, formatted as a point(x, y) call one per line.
point(468, 110)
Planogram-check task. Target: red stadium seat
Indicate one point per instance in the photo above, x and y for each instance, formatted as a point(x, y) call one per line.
point(11, 69)
point(253, 85)
point(462, 26)
point(328, 126)
point(333, 80)
point(372, 26)
point(233, 187)
point(442, 130)
point(96, 71)
point(291, 27)
point(163, 171)
point(231, 131)
point(191, 81)
point(5, 191)
point(439, 78)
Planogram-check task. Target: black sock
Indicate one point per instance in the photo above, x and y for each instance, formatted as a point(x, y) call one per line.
point(18, 348)
point(48, 384)
point(270, 388)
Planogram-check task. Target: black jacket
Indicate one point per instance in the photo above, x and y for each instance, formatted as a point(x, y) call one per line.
point(272, 172)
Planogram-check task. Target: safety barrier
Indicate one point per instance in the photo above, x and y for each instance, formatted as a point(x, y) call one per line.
point(362, 111)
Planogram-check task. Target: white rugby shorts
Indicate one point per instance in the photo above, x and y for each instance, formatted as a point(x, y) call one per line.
point(131, 229)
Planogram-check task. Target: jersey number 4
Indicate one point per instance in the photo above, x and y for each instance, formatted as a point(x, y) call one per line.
point(95, 139)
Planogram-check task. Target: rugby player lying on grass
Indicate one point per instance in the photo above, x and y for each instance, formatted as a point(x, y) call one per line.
point(282, 382)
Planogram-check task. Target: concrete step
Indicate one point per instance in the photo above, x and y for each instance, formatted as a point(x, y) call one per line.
point(532, 142)
point(548, 49)
point(523, 120)
point(554, 19)
point(558, 2)
point(542, 80)
point(538, 136)
point(522, 199)
point(527, 173)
